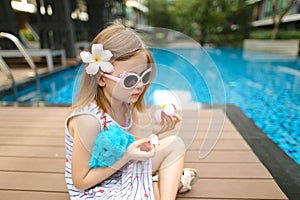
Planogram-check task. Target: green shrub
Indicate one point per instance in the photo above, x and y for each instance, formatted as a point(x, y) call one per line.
point(282, 34)
point(288, 35)
point(228, 40)
point(260, 35)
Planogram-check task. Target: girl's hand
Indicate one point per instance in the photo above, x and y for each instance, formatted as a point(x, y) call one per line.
point(167, 123)
point(140, 150)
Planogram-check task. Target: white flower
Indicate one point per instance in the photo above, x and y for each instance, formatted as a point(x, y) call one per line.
point(99, 58)
point(154, 140)
point(169, 109)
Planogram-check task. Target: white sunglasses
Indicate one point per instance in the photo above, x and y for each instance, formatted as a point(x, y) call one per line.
point(130, 80)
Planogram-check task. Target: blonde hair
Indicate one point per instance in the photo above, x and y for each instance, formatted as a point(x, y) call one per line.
point(124, 43)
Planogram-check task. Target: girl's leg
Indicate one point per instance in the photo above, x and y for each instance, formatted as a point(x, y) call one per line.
point(156, 191)
point(169, 161)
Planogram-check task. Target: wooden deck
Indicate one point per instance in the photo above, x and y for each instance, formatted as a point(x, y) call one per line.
point(32, 157)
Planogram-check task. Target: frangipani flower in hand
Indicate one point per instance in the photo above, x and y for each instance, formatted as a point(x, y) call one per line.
point(99, 58)
point(154, 140)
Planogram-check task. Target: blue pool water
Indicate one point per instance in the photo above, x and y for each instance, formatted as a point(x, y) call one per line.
point(267, 89)
point(264, 86)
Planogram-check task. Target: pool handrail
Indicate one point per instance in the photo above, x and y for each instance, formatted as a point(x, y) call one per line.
point(4, 67)
point(25, 54)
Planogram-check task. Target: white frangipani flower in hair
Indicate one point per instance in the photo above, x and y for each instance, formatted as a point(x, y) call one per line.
point(99, 58)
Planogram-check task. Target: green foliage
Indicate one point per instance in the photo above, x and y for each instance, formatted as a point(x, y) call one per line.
point(213, 21)
point(288, 35)
point(159, 14)
point(226, 40)
point(282, 34)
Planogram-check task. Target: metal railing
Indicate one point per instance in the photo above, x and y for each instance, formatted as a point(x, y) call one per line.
point(25, 54)
point(7, 71)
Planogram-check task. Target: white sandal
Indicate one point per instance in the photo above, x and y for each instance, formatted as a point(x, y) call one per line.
point(188, 178)
point(155, 177)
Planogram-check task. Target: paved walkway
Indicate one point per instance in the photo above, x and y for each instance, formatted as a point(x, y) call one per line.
point(32, 156)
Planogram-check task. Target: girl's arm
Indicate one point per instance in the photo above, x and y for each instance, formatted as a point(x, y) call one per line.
point(167, 123)
point(84, 129)
point(146, 128)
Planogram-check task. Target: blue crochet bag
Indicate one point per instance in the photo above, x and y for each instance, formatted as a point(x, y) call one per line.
point(110, 145)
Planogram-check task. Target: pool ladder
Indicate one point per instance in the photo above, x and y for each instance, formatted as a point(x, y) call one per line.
point(7, 71)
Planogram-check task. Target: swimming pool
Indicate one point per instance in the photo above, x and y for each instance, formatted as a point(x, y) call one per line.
point(265, 87)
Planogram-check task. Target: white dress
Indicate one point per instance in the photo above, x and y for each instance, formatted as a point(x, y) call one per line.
point(132, 181)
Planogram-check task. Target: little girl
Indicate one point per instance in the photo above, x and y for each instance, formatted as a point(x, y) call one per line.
point(118, 71)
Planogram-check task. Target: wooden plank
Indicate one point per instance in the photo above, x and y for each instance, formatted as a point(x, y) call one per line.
point(32, 140)
point(206, 126)
point(236, 189)
point(38, 123)
point(202, 134)
point(218, 144)
point(42, 114)
point(215, 121)
point(222, 157)
point(32, 164)
point(212, 135)
point(32, 181)
point(230, 170)
point(33, 119)
point(32, 151)
point(32, 131)
point(25, 111)
point(33, 195)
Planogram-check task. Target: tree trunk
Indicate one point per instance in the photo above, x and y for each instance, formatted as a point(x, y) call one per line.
point(203, 36)
point(275, 29)
point(278, 14)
